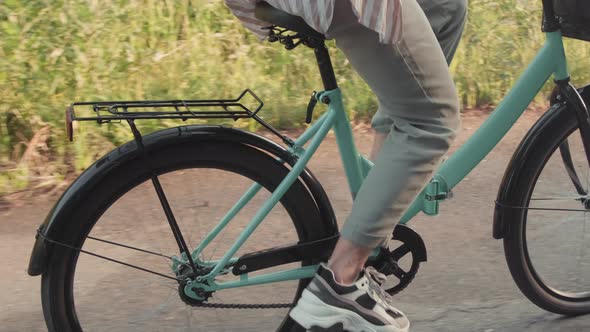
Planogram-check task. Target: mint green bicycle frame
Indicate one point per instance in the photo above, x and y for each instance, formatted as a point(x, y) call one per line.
point(550, 60)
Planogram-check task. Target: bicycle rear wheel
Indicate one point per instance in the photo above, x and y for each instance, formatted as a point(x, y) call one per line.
point(547, 241)
point(201, 182)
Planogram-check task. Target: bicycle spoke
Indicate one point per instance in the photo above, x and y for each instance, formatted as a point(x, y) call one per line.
point(107, 258)
point(551, 209)
point(130, 247)
point(558, 198)
point(538, 209)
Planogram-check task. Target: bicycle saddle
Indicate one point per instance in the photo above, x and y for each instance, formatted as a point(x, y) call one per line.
point(270, 14)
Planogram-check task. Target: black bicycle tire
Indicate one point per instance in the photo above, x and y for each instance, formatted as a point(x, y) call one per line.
point(56, 284)
point(555, 131)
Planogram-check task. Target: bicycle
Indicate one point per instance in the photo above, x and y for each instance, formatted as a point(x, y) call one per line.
point(283, 173)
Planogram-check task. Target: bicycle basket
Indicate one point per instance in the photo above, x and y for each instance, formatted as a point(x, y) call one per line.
point(574, 17)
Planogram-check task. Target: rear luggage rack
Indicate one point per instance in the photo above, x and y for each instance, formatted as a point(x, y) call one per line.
point(107, 111)
point(110, 111)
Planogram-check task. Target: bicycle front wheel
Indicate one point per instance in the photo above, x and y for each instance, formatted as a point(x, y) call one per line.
point(547, 242)
point(201, 182)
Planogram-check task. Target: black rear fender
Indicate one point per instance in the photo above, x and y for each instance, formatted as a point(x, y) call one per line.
point(60, 216)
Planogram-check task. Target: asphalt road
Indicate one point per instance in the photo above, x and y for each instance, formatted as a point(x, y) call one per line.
point(464, 286)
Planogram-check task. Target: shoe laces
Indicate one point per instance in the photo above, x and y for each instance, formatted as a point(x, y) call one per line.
point(376, 280)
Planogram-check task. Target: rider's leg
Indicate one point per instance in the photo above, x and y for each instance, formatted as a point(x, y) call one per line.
point(418, 108)
point(447, 19)
point(418, 112)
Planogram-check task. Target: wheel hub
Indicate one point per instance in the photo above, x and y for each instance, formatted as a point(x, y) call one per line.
point(190, 290)
point(193, 295)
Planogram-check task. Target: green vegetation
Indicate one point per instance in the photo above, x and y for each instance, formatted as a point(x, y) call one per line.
point(59, 51)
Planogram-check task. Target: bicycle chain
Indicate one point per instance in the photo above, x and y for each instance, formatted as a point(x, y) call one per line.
point(206, 295)
point(284, 305)
point(242, 306)
point(400, 287)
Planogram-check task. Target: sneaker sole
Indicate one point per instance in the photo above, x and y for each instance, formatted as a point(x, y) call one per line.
point(319, 314)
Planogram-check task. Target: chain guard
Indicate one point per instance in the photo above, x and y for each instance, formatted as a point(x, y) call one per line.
point(405, 241)
point(387, 260)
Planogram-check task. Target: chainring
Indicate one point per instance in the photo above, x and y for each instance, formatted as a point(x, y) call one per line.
point(404, 241)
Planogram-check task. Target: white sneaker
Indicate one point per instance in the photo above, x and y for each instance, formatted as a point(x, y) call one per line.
point(361, 306)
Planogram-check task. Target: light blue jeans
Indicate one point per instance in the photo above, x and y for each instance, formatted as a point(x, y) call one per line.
point(418, 114)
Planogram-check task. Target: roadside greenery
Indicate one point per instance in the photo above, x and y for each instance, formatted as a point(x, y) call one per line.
point(53, 52)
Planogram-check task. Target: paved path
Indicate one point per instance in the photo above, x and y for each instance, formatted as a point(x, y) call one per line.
point(464, 286)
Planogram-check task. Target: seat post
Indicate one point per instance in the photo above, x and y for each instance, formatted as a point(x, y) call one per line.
point(550, 21)
point(325, 65)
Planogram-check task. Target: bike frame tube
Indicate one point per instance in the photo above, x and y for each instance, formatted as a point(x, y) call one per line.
point(355, 165)
point(294, 274)
point(245, 199)
point(310, 132)
point(252, 191)
point(550, 60)
point(351, 159)
point(321, 133)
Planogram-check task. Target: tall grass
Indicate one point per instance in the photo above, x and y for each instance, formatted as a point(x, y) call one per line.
point(500, 40)
point(53, 52)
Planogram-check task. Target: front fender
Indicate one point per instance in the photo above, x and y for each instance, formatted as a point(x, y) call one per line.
point(509, 188)
point(56, 222)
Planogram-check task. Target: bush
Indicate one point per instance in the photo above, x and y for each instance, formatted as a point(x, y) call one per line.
point(56, 52)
